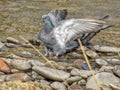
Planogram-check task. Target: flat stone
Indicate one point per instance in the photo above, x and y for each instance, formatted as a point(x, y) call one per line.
point(106, 49)
point(21, 64)
point(2, 78)
point(113, 61)
point(104, 78)
point(26, 54)
point(82, 82)
point(4, 66)
point(101, 62)
point(18, 76)
point(50, 73)
point(58, 86)
point(2, 73)
point(3, 48)
point(116, 70)
point(79, 63)
point(11, 45)
point(13, 40)
point(36, 63)
point(92, 54)
point(82, 73)
point(73, 79)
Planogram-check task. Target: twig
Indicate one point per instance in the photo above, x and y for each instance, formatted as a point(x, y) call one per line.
point(86, 58)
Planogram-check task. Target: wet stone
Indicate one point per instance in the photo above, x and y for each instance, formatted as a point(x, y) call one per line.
point(3, 48)
point(101, 62)
point(21, 65)
point(50, 73)
point(58, 86)
point(104, 78)
point(113, 61)
point(18, 76)
point(116, 70)
point(82, 73)
point(13, 40)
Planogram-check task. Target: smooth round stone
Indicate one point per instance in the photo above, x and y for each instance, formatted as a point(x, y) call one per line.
point(58, 86)
point(116, 70)
point(101, 62)
point(73, 79)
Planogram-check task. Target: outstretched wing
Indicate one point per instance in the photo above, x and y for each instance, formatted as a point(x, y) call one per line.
point(57, 15)
point(71, 29)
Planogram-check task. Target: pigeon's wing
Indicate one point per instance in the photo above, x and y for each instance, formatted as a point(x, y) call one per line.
point(57, 15)
point(71, 29)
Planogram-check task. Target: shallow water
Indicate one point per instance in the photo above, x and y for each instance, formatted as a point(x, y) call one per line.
point(22, 17)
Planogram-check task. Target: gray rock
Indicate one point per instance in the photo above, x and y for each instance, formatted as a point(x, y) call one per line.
point(3, 48)
point(101, 62)
point(18, 76)
point(92, 54)
point(36, 63)
point(26, 54)
point(26, 45)
point(13, 40)
point(82, 73)
point(2, 78)
point(113, 61)
point(116, 70)
point(106, 49)
point(36, 76)
point(82, 82)
point(2, 73)
point(106, 69)
point(11, 45)
point(51, 73)
point(73, 79)
point(21, 64)
point(58, 86)
point(104, 78)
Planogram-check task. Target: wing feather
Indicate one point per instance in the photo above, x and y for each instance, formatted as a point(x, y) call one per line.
point(71, 29)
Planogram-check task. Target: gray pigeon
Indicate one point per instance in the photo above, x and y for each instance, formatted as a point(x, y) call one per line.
point(59, 38)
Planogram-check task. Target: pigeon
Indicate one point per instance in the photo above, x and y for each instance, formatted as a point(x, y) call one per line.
point(59, 38)
point(59, 15)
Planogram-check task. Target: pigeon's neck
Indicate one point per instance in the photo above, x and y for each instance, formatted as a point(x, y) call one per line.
point(49, 25)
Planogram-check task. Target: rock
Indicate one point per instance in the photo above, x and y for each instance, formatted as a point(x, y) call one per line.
point(11, 45)
point(104, 78)
point(58, 86)
point(21, 65)
point(36, 76)
point(18, 76)
point(50, 73)
point(2, 78)
point(106, 69)
point(116, 70)
point(2, 73)
point(36, 63)
point(44, 82)
point(26, 45)
point(4, 66)
point(101, 62)
point(113, 61)
point(92, 54)
point(73, 79)
point(76, 55)
point(78, 63)
point(3, 48)
point(82, 82)
point(76, 87)
point(15, 71)
point(13, 40)
point(82, 73)
point(26, 54)
point(106, 49)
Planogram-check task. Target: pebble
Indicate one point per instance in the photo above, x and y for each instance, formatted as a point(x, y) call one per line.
point(50, 73)
point(106, 49)
point(13, 40)
point(104, 78)
point(101, 62)
point(73, 79)
point(106, 69)
point(113, 61)
point(2, 73)
point(116, 70)
point(11, 45)
point(26, 54)
point(82, 73)
point(2, 78)
point(36, 63)
point(21, 65)
point(79, 63)
point(18, 76)
point(4, 66)
point(58, 86)
point(3, 48)
point(82, 82)
point(26, 45)
point(92, 54)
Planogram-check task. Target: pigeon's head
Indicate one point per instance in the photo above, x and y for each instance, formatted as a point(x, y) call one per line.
point(45, 18)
